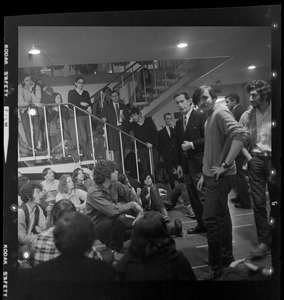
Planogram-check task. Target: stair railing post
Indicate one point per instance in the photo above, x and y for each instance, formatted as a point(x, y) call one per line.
point(76, 130)
point(46, 130)
point(136, 160)
point(61, 130)
point(32, 131)
point(121, 152)
point(92, 139)
point(151, 161)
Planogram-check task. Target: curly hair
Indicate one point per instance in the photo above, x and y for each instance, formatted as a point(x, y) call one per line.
point(27, 190)
point(262, 87)
point(103, 170)
point(62, 185)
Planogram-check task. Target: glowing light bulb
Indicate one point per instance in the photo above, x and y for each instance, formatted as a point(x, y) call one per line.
point(34, 51)
point(182, 45)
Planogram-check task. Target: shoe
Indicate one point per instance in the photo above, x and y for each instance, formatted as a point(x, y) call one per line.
point(197, 229)
point(225, 261)
point(165, 215)
point(168, 205)
point(177, 230)
point(238, 205)
point(260, 251)
point(189, 212)
point(210, 274)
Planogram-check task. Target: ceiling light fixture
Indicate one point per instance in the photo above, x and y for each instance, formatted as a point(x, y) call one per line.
point(34, 50)
point(182, 45)
point(251, 67)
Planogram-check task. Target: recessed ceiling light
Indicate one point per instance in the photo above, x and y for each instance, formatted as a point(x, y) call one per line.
point(182, 45)
point(251, 67)
point(34, 50)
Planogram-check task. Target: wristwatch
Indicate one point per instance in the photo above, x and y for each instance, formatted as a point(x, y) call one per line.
point(225, 166)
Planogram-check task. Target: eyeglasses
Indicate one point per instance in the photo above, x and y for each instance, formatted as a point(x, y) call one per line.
point(80, 82)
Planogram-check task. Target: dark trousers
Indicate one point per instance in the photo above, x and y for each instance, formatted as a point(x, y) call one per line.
point(196, 197)
point(241, 182)
point(143, 154)
point(27, 128)
point(169, 166)
point(217, 219)
point(157, 202)
point(84, 134)
point(112, 231)
point(258, 169)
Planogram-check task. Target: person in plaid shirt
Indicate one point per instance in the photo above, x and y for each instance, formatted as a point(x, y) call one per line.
point(45, 248)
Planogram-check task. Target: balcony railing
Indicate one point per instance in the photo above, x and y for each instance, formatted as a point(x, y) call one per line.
point(99, 141)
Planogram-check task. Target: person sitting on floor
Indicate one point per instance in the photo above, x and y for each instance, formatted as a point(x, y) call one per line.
point(152, 199)
point(31, 219)
point(67, 191)
point(45, 248)
point(70, 275)
point(112, 218)
point(152, 254)
point(81, 180)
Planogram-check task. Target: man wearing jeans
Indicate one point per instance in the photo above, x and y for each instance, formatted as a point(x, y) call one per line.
point(257, 123)
point(224, 138)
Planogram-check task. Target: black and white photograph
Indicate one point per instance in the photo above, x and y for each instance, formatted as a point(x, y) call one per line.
point(116, 119)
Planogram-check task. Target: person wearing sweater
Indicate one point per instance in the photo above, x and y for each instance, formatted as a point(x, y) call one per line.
point(224, 139)
point(81, 98)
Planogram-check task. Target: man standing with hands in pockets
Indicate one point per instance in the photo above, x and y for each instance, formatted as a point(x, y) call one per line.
point(224, 138)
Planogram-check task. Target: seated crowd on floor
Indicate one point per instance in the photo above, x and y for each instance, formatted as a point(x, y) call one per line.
point(115, 207)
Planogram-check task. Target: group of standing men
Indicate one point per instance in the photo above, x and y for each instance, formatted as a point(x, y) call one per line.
point(210, 145)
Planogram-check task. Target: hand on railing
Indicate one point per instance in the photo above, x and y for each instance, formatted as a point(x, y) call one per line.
point(149, 145)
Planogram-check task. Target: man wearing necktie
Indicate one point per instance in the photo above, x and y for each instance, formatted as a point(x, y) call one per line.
point(116, 114)
point(189, 150)
point(166, 140)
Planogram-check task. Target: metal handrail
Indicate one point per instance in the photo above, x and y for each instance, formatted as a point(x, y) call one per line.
point(113, 80)
point(120, 131)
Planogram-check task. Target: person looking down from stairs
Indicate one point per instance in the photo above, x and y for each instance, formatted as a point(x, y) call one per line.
point(81, 98)
point(146, 131)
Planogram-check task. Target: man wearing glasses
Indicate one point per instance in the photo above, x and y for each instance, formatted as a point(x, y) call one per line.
point(81, 98)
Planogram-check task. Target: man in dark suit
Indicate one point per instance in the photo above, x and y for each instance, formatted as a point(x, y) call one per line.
point(166, 140)
point(243, 198)
point(233, 103)
point(189, 148)
point(115, 113)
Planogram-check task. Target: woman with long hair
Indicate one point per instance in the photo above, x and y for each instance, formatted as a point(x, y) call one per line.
point(67, 191)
